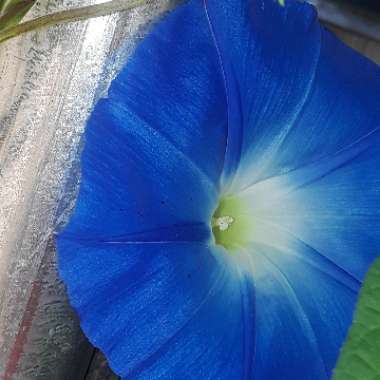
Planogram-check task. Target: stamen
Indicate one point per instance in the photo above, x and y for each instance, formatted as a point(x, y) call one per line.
point(223, 222)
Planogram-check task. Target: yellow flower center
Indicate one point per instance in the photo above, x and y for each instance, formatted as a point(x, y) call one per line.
point(231, 224)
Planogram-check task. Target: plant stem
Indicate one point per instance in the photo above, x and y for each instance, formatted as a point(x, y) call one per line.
point(71, 15)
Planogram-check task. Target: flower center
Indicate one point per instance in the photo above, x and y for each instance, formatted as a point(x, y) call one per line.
point(231, 225)
point(223, 222)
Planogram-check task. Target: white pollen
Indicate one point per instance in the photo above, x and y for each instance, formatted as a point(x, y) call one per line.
point(224, 222)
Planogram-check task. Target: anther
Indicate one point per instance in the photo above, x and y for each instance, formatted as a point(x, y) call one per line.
point(223, 222)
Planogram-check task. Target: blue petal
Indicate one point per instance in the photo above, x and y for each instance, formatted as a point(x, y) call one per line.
point(160, 310)
point(295, 92)
point(269, 55)
point(304, 304)
point(330, 204)
point(154, 148)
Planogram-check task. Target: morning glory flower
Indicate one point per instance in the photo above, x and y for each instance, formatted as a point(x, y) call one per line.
point(229, 202)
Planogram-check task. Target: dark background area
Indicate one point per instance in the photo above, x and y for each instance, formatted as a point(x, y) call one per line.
point(369, 4)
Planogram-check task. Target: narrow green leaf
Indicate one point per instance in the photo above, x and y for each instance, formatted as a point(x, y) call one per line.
point(13, 11)
point(3, 5)
point(360, 356)
point(7, 5)
point(71, 15)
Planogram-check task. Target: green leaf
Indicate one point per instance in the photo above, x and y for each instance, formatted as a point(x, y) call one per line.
point(6, 5)
point(13, 11)
point(360, 356)
point(71, 15)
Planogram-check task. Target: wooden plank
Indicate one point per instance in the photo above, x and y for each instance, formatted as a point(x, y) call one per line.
point(348, 17)
point(367, 46)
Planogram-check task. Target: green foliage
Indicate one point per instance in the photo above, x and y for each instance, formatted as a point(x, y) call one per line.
point(360, 356)
point(13, 11)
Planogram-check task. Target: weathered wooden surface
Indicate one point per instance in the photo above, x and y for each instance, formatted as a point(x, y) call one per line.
point(49, 80)
point(342, 14)
point(367, 46)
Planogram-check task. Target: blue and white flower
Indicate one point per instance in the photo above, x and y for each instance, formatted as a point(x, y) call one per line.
point(229, 203)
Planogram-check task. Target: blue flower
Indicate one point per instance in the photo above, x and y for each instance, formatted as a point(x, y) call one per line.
point(229, 203)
